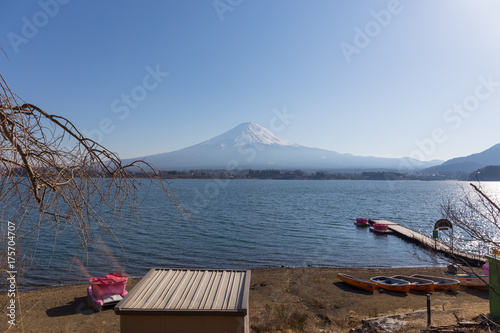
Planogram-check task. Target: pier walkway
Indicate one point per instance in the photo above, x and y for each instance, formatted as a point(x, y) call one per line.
point(431, 244)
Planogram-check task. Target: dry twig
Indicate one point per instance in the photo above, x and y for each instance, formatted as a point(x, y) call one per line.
point(51, 174)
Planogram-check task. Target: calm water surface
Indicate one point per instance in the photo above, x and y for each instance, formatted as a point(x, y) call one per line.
point(256, 223)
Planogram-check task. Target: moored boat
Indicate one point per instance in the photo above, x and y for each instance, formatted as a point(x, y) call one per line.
point(361, 222)
point(391, 284)
point(380, 229)
point(417, 283)
point(358, 283)
point(441, 283)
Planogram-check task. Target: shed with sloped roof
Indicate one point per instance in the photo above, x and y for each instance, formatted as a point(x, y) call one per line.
point(187, 300)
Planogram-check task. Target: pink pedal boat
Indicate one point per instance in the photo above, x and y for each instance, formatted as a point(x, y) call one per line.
point(107, 290)
point(379, 228)
point(361, 222)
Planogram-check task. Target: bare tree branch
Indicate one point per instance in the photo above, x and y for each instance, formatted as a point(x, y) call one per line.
point(477, 216)
point(50, 174)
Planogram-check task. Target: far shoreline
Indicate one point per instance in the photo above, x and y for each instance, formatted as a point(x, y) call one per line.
point(287, 174)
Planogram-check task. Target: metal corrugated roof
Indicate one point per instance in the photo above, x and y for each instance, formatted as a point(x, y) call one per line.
point(188, 290)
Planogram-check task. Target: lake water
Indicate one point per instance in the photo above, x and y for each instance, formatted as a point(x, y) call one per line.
point(256, 223)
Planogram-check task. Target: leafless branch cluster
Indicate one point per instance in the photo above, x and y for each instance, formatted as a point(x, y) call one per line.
point(50, 174)
point(477, 215)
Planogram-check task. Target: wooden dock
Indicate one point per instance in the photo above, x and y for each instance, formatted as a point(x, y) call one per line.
point(431, 244)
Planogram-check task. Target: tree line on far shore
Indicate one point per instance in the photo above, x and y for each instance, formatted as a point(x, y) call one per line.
point(489, 173)
point(294, 175)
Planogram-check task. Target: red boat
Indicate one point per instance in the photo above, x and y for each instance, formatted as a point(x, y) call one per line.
point(380, 229)
point(360, 222)
point(107, 290)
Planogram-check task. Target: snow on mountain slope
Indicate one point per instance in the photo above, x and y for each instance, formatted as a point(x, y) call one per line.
point(247, 133)
point(250, 146)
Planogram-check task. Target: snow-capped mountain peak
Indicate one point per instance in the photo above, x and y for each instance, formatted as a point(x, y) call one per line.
point(250, 146)
point(247, 134)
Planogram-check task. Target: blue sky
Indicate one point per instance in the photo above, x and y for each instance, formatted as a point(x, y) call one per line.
point(380, 78)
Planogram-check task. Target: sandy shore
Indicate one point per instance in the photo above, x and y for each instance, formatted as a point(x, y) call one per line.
point(314, 298)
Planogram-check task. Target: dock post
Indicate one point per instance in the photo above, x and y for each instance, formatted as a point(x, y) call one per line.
point(428, 309)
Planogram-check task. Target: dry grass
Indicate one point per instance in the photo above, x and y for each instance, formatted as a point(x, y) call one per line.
point(282, 318)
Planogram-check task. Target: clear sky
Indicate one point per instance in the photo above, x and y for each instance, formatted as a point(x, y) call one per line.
point(380, 78)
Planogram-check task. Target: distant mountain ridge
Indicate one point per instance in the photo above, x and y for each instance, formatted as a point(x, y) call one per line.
point(251, 146)
point(489, 173)
point(468, 164)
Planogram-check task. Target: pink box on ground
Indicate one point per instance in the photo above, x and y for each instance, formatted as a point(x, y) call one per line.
point(109, 284)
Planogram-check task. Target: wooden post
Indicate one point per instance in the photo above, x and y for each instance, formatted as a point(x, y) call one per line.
point(452, 249)
point(428, 309)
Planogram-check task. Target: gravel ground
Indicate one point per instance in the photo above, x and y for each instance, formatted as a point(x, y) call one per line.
point(281, 299)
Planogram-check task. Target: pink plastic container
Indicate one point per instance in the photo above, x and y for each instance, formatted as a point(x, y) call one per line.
point(109, 284)
point(486, 269)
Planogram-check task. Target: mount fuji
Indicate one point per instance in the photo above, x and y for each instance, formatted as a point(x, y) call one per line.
point(251, 146)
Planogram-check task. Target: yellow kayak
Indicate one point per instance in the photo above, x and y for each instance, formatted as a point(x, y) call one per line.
point(358, 283)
